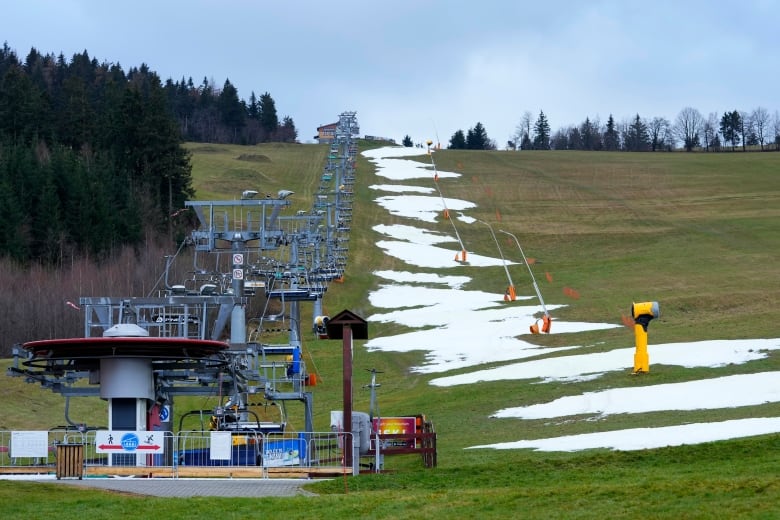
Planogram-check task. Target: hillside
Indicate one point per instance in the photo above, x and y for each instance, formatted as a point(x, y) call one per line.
point(696, 232)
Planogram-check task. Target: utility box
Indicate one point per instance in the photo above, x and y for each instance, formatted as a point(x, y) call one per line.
point(70, 461)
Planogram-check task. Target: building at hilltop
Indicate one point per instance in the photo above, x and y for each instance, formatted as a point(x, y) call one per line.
point(326, 134)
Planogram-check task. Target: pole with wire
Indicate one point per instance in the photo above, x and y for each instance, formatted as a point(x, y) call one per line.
point(510, 294)
point(444, 203)
point(546, 320)
point(372, 407)
point(373, 414)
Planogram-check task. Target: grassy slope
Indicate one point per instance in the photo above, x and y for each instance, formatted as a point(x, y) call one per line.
point(698, 233)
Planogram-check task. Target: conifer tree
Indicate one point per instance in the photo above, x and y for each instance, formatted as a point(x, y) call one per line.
point(477, 138)
point(611, 137)
point(232, 111)
point(269, 121)
point(730, 127)
point(457, 141)
point(287, 133)
point(637, 139)
point(253, 108)
point(541, 132)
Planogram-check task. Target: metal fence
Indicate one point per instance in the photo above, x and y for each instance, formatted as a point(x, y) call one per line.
point(19, 449)
point(182, 454)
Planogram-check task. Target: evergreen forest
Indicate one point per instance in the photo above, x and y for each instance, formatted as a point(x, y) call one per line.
point(91, 155)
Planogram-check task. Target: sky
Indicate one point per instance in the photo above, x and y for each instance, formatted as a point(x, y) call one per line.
point(428, 69)
point(465, 329)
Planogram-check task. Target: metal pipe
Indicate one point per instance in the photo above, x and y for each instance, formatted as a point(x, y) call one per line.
point(533, 280)
point(503, 261)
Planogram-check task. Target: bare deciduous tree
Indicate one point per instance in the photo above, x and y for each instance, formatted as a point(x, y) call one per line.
point(746, 126)
point(523, 130)
point(688, 126)
point(760, 118)
point(710, 131)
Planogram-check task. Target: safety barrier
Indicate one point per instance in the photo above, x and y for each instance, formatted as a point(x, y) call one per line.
point(70, 453)
point(33, 451)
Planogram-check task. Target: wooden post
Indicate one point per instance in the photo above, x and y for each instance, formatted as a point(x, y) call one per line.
point(347, 388)
point(347, 326)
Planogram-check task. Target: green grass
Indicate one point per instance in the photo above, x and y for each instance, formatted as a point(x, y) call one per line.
point(735, 479)
point(699, 233)
point(224, 171)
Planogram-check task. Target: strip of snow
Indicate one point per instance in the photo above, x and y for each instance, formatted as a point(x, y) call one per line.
point(646, 438)
point(577, 367)
point(705, 394)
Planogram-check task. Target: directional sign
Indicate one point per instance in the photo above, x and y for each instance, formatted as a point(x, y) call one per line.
point(129, 442)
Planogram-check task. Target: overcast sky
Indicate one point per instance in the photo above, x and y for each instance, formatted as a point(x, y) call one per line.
point(429, 68)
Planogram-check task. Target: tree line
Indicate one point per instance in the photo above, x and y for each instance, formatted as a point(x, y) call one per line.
point(757, 130)
point(209, 114)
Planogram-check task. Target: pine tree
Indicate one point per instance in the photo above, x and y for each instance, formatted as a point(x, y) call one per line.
point(268, 118)
point(637, 138)
point(232, 110)
point(457, 141)
point(611, 138)
point(287, 133)
point(46, 219)
point(253, 108)
point(12, 239)
point(15, 166)
point(575, 139)
point(541, 132)
point(77, 124)
point(477, 138)
point(206, 96)
point(730, 127)
point(22, 106)
point(586, 133)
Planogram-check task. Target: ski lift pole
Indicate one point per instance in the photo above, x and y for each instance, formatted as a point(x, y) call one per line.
point(547, 320)
point(510, 292)
point(375, 419)
point(373, 386)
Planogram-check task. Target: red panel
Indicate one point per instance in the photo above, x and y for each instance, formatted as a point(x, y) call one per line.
point(155, 347)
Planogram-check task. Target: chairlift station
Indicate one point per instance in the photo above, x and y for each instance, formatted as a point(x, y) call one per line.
point(193, 337)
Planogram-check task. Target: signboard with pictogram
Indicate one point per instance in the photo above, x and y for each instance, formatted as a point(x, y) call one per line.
point(129, 442)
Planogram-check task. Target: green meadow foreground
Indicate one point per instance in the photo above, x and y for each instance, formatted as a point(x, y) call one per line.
point(697, 232)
